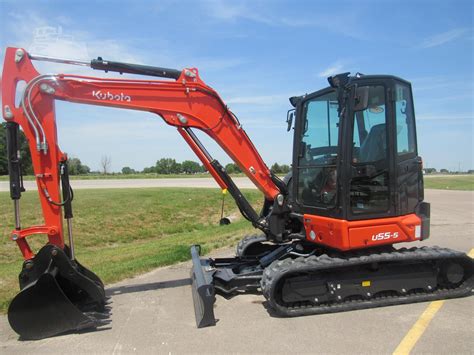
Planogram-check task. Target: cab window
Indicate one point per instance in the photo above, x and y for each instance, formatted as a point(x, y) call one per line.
point(317, 175)
point(405, 122)
point(369, 186)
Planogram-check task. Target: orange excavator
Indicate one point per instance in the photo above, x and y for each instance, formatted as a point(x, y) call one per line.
point(327, 230)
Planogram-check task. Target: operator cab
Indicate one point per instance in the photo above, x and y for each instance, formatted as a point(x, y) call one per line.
point(355, 149)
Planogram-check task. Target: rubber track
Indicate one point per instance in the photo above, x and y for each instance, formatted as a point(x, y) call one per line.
point(279, 269)
point(247, 241)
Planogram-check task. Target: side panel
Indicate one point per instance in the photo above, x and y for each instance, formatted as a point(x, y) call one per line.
point(346, 235)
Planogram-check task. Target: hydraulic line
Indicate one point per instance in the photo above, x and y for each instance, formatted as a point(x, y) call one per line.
point(41, 143)
point(50, 199)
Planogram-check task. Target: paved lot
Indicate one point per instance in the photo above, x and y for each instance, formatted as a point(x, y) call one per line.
point(242, 182)
point(153, 313)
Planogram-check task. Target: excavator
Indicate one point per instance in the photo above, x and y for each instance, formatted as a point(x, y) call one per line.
point(327, 231)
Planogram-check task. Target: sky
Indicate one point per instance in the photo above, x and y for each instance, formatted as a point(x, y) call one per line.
point(256, 54)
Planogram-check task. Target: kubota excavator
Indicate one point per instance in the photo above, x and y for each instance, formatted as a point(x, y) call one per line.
point(327, 229)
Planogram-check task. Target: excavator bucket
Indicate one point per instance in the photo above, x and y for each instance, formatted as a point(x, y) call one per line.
point(202, 289)
point(57, 295)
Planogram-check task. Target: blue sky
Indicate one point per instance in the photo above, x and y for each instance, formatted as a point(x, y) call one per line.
point(255, 54)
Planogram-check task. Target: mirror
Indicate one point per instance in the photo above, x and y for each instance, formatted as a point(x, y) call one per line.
point(289, 118)
point(361, 98)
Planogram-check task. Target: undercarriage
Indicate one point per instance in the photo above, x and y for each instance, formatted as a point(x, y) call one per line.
point(298, 281)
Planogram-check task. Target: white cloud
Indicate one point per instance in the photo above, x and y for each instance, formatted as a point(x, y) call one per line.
point(225, 10)
point(335, 68)
point(58, 37)
point(443, 38)
point(54, 37)
point(229, 11)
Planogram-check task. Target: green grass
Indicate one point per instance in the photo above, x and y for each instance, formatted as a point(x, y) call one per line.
point(129, 176)
point(449, 182)
point(121, 233)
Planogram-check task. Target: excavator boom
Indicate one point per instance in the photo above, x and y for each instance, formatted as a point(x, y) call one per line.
point(186, 103)
point(183, 101)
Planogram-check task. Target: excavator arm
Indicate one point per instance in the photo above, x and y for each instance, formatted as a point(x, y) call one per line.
point(184, 102)
point(52, 281)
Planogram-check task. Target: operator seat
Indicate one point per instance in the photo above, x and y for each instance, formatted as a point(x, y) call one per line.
point(374, 146)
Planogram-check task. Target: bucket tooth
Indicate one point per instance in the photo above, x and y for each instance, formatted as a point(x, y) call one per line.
point(97, 315)
point(202, 289)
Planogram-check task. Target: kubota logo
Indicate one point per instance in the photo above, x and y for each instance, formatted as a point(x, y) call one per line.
point(111, 97)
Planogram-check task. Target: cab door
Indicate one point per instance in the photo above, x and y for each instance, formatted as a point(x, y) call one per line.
point(316, 158)
point(370, 183)
point(409, 164)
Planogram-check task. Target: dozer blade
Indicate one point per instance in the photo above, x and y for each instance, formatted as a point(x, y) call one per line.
point(202, 289)
point(60, 296)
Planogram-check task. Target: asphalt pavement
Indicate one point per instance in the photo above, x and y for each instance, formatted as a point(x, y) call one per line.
point(153, 313)
point(242, 182)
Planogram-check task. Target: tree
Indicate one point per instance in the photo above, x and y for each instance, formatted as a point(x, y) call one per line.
point(105, 162)
point(280, 169)
point(444, 171)
point(190, 167)
point(285, 169)
point(149, 170)
point(275, 169)
point(27, 166)
point(430, 170)
point(77, 168)
point(168, 166)
point(127, 170)
point(232, 168)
